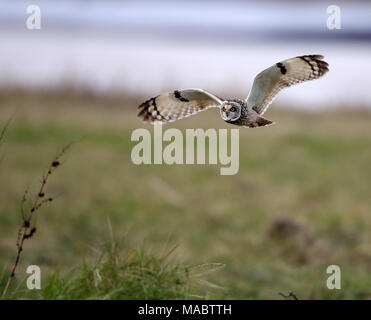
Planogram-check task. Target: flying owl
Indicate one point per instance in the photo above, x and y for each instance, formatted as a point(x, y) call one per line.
point(178, 104)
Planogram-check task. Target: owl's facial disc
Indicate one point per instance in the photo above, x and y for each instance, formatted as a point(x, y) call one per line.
point(230, 111)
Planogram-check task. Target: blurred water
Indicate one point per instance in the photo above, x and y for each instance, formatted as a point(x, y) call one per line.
point(146, 48)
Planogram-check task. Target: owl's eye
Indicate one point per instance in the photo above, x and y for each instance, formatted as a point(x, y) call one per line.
point(224, 109)
point(233, 109)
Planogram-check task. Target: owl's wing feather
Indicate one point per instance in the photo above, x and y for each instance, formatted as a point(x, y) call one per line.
point(283, 74)
point(175, 105)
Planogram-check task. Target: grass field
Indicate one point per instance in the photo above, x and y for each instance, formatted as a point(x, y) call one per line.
point(299, 203)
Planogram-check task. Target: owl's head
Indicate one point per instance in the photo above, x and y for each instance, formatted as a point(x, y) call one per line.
point(230, 110)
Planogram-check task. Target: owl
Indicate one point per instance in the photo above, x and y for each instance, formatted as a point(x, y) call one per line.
point(179, 104)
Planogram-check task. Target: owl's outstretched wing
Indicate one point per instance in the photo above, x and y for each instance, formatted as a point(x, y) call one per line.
point(283, 74)
point(175, 105)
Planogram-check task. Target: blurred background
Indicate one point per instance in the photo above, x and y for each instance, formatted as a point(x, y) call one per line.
point(143, 46)
point(301, 200)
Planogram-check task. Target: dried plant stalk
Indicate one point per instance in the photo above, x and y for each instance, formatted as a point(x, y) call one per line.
point(27, 230)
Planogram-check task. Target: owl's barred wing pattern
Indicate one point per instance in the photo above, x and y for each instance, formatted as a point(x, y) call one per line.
point(171, 106)
point(283, 74)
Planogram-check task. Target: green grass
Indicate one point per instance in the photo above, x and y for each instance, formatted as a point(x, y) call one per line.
point(300, 201)
point(122, 272)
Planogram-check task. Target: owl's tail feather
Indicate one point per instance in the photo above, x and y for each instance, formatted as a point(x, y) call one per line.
point(260, 122)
